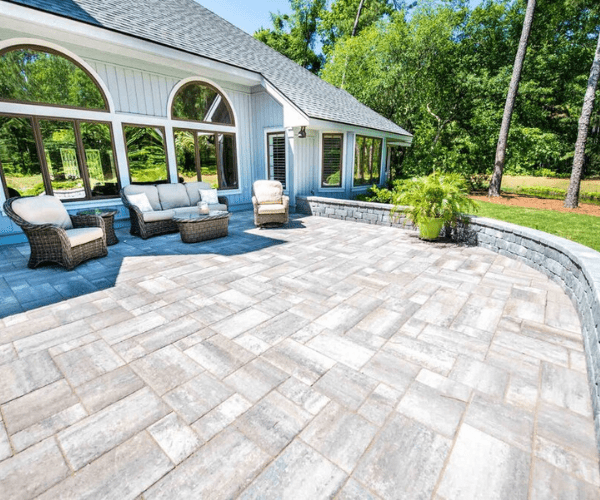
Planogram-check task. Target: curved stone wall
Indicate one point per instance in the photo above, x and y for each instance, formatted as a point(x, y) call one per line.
point(574, 267)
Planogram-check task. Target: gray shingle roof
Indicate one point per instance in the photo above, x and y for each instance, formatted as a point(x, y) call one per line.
point(186, 25)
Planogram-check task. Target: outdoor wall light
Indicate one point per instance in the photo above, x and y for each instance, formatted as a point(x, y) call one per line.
point(302, 133)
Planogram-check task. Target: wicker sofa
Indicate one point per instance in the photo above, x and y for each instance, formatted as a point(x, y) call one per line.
point(53, 234)
point(167, 201)
point(271, 206)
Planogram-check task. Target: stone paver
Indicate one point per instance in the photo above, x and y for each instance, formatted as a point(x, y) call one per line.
point(323, 359)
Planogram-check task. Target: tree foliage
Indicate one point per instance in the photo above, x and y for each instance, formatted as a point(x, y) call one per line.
point(441, 70)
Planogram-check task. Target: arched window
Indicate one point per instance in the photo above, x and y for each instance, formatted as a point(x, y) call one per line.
point(40, 76)
point(71, 158)
point(201, 102)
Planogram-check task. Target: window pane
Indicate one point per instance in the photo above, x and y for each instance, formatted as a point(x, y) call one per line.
point(19, 157)
point(201, 102)
point(276, 145)
point(61, 157)
point(146, 154)
point(185, 151)
point(208, 158)
point(228, 172)
point(32, 75)
point(367, 160)
point(332, 160)
point(97, 144)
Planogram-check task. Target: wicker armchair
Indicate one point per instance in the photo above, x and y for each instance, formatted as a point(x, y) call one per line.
point(271, 206)
point(53, 234)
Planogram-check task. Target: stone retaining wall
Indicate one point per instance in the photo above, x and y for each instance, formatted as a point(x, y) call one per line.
point(574, 267)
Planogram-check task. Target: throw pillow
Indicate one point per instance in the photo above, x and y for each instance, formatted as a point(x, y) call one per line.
point(209, 196)
point(141, 201)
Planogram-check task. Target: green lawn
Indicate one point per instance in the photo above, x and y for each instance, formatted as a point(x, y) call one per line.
point(584, 229)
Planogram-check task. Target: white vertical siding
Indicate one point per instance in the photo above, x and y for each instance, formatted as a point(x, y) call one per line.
point(306, 164)
point(135, 91)
point(266, 112)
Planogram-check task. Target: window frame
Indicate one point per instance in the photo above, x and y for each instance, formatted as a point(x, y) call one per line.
point(217, 156)
point(41, 48)
point(342, 162)
point(79, 148)
point(168, 180)
point(381, 161)
point(268, 157)
point(212, 87)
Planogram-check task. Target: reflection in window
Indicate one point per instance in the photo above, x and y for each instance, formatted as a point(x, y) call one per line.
point(367, 160)
point(37, 76)
point(19, 158)
point(99, 158)
point(185, 151)
point(207, 156)
point(201, 102)
point(146, 153)
point(60, 151)
point(332, 160)
point(276, 150)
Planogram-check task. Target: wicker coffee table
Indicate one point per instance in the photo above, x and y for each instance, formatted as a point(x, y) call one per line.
point(197, 227)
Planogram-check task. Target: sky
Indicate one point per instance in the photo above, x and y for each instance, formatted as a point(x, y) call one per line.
point(250, 15)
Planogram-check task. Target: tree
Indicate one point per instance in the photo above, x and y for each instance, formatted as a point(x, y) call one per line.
point(294, 35)
point(572, 198)
point(494, 189)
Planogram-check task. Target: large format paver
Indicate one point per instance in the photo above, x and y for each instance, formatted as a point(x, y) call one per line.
point(323, 359)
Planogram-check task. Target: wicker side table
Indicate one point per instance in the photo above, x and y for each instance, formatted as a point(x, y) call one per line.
point(109, 224)
point(195, 228)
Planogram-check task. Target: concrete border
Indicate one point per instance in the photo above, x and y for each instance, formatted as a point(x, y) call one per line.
point(574, 267)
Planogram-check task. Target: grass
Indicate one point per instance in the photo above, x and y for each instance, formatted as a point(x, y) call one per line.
point(584, 229)
point(510, 182)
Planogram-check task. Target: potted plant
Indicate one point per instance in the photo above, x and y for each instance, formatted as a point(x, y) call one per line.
point(431, 202)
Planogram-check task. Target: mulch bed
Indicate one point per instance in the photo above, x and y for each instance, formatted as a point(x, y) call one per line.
point(516, 200)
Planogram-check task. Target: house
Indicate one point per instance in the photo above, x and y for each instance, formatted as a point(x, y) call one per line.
point(97, 94)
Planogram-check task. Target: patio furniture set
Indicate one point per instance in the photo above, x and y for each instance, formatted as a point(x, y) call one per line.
point(193, 209)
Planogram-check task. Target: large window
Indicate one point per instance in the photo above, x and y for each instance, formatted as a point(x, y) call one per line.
point(199, 101)
point(207, 156)
point(367, 160)
point(72, 159)
point(38, 75)
point(146, 153)
point(332, 160)
point(276, 156)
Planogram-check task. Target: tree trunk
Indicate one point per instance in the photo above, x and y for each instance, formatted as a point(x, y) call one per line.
point(572, 198)
point(355, 27)
point(510, 101)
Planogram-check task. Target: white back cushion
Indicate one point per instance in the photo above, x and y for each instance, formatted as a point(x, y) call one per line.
point(173, 196)
point(268, 192)
point(150, 191)
point(43, 209)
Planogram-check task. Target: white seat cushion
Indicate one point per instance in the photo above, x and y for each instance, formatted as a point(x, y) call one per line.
point(173, 196)
point(151, 193)
point(83, 235)
point(274, 208)
point(268, 192)
point(43, 210)
point(217, 206)
point(192, 189)
point(158, 215)
point(186, 211)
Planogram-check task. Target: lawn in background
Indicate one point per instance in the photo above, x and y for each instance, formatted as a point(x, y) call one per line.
point(584, 229)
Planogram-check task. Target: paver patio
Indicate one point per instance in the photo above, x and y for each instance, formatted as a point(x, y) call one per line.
point(326, 359)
